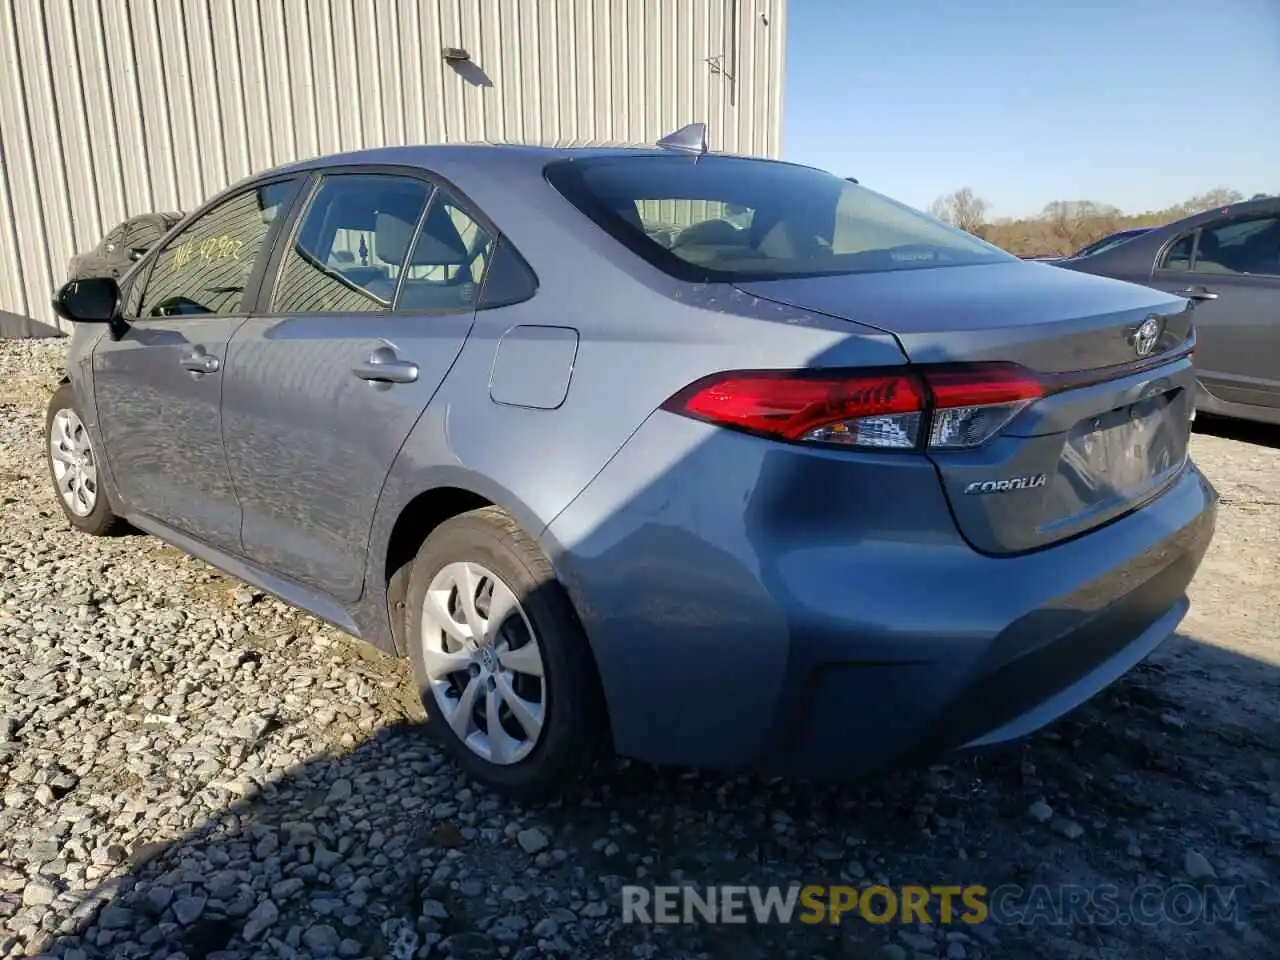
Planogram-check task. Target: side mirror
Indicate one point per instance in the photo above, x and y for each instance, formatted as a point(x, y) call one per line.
point(91, 300)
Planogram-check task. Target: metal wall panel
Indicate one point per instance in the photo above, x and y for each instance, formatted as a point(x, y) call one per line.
point(110, 108)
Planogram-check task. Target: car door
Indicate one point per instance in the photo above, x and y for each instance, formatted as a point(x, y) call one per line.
point(374, 296)
point(159, 386)
point(1231, 268)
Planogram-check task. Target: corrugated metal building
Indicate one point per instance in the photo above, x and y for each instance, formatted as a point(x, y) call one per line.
point(110, 108)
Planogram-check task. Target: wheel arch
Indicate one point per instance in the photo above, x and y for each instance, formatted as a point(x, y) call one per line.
point(409, 514)
point(415, 522)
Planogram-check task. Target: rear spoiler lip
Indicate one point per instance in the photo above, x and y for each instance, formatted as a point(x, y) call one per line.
point(1075, 379)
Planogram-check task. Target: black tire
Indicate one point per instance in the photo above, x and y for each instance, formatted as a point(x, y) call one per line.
point(101, 521)
point(575, 729)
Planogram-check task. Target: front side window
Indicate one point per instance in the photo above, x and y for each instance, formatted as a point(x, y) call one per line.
point(1240, 247)
point(731, 218)
point(205, 269)
point(349, 250)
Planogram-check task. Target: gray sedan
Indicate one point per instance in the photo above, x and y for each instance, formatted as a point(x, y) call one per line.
point(1228, 261)
point(707, 460)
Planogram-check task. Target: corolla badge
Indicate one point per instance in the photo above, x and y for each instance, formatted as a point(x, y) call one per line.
point(1008, 486)
point(1145, 337)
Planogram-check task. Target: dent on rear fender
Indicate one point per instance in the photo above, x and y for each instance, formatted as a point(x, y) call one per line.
point(662, 569)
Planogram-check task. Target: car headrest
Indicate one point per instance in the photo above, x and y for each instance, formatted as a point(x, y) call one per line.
point(392, 236)
point(440, 244)
point(711, 232)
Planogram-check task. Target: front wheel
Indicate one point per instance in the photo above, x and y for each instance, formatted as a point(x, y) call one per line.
point(75, 468)
point(502, 664)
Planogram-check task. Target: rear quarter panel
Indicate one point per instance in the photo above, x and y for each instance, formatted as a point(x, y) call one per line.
point(642, 336)
point(636, 349)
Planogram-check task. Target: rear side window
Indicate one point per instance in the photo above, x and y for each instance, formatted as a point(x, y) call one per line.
point(448, 262)
point(348, 252)
point(508, 279)
point(730, 218)
point(206, 267)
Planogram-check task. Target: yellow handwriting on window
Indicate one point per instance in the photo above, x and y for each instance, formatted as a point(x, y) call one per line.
point(208, 250)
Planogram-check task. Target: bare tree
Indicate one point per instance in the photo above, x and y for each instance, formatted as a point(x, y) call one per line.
point(1073, 223)
point(1217, 197)
point(963, 209)
point(1064, 226)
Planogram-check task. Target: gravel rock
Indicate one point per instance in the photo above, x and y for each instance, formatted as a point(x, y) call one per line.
point(1197, 866)
point(260, 919)
point(156, 899)
point(532, 840)
point(321, 939)
point(339, 792)
point(284, 889)
point(1040, 812)
point(188, 910)
point(469, 946)
point(37, 893)
point(115, 916)
point(1067, 828)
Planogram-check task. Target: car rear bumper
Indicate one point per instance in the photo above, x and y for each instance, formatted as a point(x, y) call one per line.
point(747, 614)
point(1039, 667)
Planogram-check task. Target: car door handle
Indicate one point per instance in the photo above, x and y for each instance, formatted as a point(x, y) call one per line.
point(383, 366)
point(1198, 293)
point(197, 361)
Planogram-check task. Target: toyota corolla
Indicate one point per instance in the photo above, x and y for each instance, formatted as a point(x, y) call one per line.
point(703, 459)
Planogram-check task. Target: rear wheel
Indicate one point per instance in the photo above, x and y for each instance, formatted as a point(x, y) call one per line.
point(502, 664)
point(75, 468)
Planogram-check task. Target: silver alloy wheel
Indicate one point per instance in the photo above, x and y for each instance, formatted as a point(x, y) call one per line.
point(75, 471)
point(483, 662)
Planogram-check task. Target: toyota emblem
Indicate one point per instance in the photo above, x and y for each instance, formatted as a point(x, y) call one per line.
point(1145, 337)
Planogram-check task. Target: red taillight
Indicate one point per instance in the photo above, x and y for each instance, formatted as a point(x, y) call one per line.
point(879, 411)
point(966, 406)
point(982, 384)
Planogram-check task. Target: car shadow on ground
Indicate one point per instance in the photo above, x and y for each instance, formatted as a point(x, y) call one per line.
point(1245, 431)
point(386, 851)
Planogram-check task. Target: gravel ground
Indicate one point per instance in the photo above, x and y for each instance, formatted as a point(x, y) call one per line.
point(191, 769)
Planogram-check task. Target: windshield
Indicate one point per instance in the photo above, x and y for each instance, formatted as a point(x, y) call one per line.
point(1106, 243)
point(731, 218)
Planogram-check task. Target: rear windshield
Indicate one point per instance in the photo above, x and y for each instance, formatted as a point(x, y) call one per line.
point(732, 218)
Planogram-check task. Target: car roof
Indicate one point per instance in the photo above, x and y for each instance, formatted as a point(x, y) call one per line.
point(432, 156)
point(1236, 211)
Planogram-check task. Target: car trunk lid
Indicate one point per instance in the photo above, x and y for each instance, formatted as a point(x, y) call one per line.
point(1111, 430)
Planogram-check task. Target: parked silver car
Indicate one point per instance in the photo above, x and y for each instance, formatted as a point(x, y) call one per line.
point(715, 461)
point(1228, 261)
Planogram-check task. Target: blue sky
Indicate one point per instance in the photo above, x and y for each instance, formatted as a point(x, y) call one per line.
point(1139, 103)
